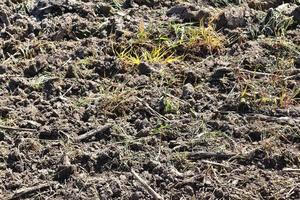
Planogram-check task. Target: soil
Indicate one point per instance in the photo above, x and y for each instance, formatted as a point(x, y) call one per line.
point(219, 122)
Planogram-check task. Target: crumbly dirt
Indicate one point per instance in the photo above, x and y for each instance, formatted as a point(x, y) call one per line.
point(214, 116)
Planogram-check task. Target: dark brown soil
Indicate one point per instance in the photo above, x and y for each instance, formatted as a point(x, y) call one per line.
point(77, 116)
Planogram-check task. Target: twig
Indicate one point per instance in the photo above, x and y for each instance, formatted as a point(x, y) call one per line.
point(263, 73)
point(174, 171)
point(10, 76)
point(153, 111)
point(283, 120)
point(67, 62)
point(17, 129)
point(231, 141)
point(170, 95)
point(10, 57)
point(290, 170)
point(26, 191)
point(189, 181)
point(288, 194)
point(92, 133)
point(257, 73)
point(291, 77)
point(205, 155)
point(154, 194)
point(266, 74)
point(216, 164)
point(68, 90)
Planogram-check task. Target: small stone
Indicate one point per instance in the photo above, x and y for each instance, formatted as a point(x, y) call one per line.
point(187, 91)
point(30, 124)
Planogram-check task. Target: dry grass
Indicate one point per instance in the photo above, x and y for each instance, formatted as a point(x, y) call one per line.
point(205, 37)
point(272, 91)
point(159, 55)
